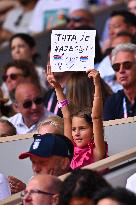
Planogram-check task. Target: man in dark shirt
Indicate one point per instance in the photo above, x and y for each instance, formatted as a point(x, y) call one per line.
point(123, 103)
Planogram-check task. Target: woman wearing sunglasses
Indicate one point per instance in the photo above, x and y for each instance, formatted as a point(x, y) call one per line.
point(15, 73)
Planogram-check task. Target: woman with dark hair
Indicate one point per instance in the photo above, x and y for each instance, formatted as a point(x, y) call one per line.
point(23, 47)
point(16, 72)
point(80, 91)
point(81, 186)
point(6, 128)
point(115, 196)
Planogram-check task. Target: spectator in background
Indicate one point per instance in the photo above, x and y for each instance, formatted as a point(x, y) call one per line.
point(6, 6)
point(105, 67)
point(17, 20)
point(23, 47)
point(49, 14)
point(123, 103)
point(42, 189)
point(16, 72)
point(6, 128)
point(29, 107)
point(121, 20)
point(131, 4)
point(53, 124)
point(115, 196)
point(82, 19)
point(81, 186)
point(50, 154)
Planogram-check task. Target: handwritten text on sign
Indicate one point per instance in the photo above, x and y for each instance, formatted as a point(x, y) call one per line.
point(72, 50)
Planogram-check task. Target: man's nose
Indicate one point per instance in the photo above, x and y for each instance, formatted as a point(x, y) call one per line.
point(121, 69)
point(8, 79)
point(37, 169)
point(34, 106)
point(111, 31)
point(16, 50)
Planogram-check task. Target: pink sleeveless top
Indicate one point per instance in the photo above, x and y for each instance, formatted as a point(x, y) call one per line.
point(83, 156)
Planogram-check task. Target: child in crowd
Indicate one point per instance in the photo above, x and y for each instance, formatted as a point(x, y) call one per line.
point(52, 124)
point(85, 130)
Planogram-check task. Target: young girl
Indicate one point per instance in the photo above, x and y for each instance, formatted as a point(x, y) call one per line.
point(85, 130)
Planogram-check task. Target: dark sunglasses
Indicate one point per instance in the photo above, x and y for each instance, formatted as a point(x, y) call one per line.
point(12, 76)
point(75, 19)
point(28, 103)
point(127, 65)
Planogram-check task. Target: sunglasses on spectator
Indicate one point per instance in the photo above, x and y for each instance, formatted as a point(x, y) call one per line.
point(12, 76)
point(127, 65)
point(36, 101)
point(75, 19)
point(34, 191)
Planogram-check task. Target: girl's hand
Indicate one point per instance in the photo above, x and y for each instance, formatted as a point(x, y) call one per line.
point(95, 75)
point(51, 78)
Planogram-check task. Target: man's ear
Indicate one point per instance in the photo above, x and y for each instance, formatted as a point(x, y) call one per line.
point(65, 164)
point(15, 107)
point(55, 199)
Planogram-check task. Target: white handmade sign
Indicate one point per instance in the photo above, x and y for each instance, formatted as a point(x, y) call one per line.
point(72, 50)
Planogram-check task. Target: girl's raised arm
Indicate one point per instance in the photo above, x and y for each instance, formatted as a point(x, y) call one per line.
point(62, 102)
point(97, 109)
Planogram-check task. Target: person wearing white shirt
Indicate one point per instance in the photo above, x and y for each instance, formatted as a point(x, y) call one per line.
point(49, 13)
point(29, 107)
point(131, 183)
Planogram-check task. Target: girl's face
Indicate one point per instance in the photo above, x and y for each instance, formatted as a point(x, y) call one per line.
point(82, 132)
point(20, 50)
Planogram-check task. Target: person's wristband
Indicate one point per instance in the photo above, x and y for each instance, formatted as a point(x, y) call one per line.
point(63, 103)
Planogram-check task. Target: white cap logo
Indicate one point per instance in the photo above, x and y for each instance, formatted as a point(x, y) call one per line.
point(36, 143)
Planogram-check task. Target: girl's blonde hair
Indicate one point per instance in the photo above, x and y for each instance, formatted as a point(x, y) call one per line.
point(55, 121)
